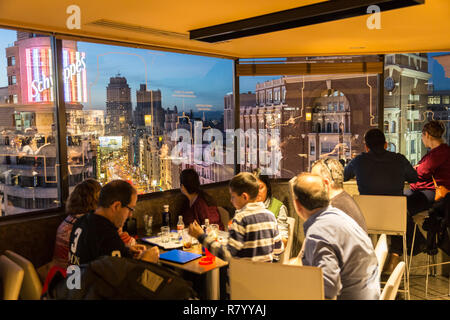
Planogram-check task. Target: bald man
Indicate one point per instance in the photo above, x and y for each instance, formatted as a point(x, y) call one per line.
point(335, 242)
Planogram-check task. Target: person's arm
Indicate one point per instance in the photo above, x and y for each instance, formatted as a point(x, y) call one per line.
point(283, 225)
point(428, 166)
point(225, 252)
point(410, 174)
point(349, 171)
point(320, 253)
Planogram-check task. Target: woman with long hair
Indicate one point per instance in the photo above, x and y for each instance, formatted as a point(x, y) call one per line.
point(201, 205)
point(271, 203)
point(82, 200)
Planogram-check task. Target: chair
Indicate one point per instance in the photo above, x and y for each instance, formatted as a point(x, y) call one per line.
point(386, 214)
point(11, 276)
point(31, 286)
point(284, 257)
point(224, 217)
point(391, 288)
point(250, 280)
point(381, 250)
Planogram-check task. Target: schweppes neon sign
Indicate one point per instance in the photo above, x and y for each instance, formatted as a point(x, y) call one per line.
point(40, 75)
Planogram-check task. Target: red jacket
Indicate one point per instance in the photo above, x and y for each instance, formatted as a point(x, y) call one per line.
point(200, 211)
point(437, 163)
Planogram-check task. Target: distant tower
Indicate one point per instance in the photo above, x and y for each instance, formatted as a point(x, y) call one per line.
point(118, 106)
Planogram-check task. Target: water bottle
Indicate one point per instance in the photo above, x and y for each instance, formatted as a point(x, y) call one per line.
point(180, 228)
point(166, 216)
point(206, 226)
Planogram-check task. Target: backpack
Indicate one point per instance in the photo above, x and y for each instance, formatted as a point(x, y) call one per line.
point(437, 225)
point(115, 278)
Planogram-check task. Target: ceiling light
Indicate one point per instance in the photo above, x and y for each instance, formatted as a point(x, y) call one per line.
point(294, 18)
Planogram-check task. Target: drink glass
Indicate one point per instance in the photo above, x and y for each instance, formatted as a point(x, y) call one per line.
point(187, 240)
point(148, 222)
point(215, 230)
point(165, 234)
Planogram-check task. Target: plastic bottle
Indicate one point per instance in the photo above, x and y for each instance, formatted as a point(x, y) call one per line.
point(180, 227)
point(207, 226)
point(166, 216)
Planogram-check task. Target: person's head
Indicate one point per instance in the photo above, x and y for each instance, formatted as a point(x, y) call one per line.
point(26, 141)
point(432, 133)
point(118, 199)
point(84, 197)
point(331, 170)
point(189, 182)
point(265, 189)
point(244, 188)
point(310, 193)
point(375, 140)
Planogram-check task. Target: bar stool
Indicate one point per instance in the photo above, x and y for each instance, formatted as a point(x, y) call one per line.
point(421, 216)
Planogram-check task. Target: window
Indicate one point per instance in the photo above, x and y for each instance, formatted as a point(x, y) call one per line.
point(30, 171)
point(413, 146)
point(12, 80)
point(11, 61)
point(446, 99)
point(427, 100)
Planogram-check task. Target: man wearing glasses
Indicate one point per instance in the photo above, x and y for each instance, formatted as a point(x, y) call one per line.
point(95, 234)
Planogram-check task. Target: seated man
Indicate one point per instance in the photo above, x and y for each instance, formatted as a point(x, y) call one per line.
point(96, 233)
point(335, 243)
point(381, 172)
point(332, 171)
point(253, 233)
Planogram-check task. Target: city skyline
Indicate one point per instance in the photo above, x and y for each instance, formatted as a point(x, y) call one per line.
point(206, 80)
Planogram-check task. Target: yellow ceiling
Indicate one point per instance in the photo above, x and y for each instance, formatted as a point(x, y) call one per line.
point(421, 28)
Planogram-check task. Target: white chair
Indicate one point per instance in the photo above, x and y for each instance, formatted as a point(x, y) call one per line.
point(284, 257)
point(31, 285)
point(251, 280)
point(381, 250)
point(11, 276)
point(386, 214)
point(391, 288)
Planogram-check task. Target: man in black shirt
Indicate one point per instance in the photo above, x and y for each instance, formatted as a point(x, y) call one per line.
point(95, 234)
point(381, 172)
point(332, 171)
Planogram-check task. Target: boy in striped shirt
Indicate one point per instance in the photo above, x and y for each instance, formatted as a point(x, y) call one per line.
point(253, 233)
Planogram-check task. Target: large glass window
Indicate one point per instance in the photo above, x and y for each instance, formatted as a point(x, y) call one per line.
point(330, 111)
point(144, 116)
point(28, 159)
point(413, 96)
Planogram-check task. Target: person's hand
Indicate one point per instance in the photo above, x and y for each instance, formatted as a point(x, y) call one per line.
point(150, 255)
point(137, 250)
point(195, 230)
point(285, 240)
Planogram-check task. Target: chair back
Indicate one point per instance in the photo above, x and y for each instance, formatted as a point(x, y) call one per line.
point(31, 285)
point(391, 288)
point(381, 251)
point(383, 214)
point(250, 280)
point(284, 258)
point(224, 217)
point(11, 276)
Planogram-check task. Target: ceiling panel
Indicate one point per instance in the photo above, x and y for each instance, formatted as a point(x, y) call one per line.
point(166, 25)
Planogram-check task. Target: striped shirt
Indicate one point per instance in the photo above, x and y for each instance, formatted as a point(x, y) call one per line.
point(253, 235)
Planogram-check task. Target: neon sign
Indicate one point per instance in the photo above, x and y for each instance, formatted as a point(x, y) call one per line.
point(40, 75)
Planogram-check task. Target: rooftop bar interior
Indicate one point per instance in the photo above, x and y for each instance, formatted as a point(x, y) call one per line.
point(303, 80)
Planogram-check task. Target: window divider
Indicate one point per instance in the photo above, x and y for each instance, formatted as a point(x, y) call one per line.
point(61, 120)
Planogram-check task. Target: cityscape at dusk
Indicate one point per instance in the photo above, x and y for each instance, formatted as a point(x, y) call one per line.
point(124, 105)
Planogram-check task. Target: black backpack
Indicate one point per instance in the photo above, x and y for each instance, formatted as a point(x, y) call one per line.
point(114, 278)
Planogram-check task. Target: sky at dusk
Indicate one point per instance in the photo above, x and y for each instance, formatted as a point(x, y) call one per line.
point(206, 79)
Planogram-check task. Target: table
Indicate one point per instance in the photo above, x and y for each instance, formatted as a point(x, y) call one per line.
point(211, 271)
